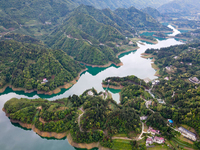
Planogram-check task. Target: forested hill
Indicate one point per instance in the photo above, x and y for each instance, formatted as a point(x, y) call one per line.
point(25, 65)
point(86, 34)
point(93, 36)
point(152, 12)
point(139, 20)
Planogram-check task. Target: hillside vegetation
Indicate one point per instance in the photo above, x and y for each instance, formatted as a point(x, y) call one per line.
point(25, 65)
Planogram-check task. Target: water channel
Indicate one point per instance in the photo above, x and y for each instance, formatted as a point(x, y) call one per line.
point(13, 137)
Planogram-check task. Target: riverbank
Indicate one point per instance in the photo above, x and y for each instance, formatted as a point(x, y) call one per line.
point(112, 87)
point(104, 66)
point(110, 63)
point(145, 55)
point(154, 66)
point(56, 91)
point(146, 40)
point(57, 135)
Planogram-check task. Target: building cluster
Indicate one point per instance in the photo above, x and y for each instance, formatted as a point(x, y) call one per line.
point(154, 139)
point(151, 140)
point(187, 134)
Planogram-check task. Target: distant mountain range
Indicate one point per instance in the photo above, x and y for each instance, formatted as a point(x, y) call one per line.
point(114, 4)
point(181, 7)
point(89, 35)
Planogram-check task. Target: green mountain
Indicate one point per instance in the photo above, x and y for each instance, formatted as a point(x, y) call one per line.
point(25, 65)
point(139, 20)
point(152, 12)
point(85, 34)
point(181, 7)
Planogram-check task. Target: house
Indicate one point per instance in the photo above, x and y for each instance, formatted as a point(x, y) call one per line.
point(152, 131)
point(130, 43)
point(159, 140)
point(168, 68)
point(47, 23)
point(45, 80)
point(190, 64)
point(160, 101)
point(175, 57)
point(143, 118)
point(90, 93)
point(187, 134)
point(194, 80)
point(166, 78)
point(155, 82)
point(149, 141)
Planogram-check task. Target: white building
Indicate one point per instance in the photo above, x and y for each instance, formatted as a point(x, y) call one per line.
point(187, 133)
point(194, 80)
point(143, 118)
point(90, 93)
point(149, 141)
point(159, 140)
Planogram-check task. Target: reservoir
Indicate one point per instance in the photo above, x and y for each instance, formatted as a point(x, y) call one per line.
point(13, 137)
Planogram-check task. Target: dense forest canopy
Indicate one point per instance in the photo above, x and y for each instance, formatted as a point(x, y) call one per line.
point(26, 65)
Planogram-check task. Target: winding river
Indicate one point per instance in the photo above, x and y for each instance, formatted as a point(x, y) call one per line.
point(13, 137)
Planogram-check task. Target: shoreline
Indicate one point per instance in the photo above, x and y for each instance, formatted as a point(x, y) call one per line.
point(103, 66)
point(71, 83)
point(57, 135)
point(110, 63)
point(56, 91)
point(145, 55)
point(112, 87)
point(146, 40)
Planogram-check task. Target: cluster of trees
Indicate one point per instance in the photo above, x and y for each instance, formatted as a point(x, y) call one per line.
point(25, 65)
point(132, 91)
point(123, 120)
point(148, 37)
point(139, 105)
point(125, 81)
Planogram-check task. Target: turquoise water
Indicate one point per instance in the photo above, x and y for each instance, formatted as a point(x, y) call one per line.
point(14, 137)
